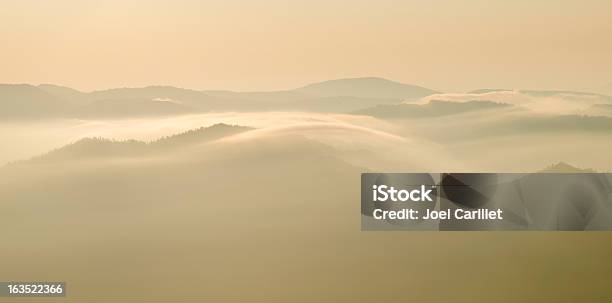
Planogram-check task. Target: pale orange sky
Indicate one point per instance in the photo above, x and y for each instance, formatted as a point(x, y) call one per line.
point(273, 44)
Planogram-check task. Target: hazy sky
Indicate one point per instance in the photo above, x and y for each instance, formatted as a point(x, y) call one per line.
point(270, 44)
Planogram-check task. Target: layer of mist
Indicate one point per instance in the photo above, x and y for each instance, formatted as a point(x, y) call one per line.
point(129, 200)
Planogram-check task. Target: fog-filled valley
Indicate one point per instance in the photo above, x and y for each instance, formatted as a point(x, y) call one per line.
point(193, 192)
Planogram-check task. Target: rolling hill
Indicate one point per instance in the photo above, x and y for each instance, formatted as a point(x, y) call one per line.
point(340, 96)
point(28, 101)
point(103, 148)
point(367, 87)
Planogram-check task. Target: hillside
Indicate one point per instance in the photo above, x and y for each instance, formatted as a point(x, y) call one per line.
point(343, 96)
point(103, 148)
point(27, 101)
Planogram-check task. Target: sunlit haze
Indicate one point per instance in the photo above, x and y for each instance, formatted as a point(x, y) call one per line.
point(267, 45)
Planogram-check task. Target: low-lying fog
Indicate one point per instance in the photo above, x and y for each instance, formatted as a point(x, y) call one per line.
point(235, 212)
point(25, 139)
point(485, 140)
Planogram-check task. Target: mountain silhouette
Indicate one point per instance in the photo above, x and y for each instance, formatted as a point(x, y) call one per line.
point(93, 148)
point(64, 93)
point(28, 101)
point(200, 135)
point(562, 167)
point(343, 96)
point(376, 96)
point(367, 87)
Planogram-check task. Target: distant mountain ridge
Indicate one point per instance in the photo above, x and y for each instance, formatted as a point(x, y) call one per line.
point(24, 100)
point(562, 167)
point(367, 87)
point(343, 95)
point(19, 101)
